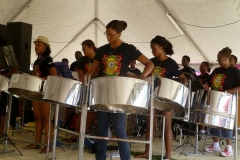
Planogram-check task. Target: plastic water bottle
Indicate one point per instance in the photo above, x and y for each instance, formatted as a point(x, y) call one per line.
point(17, 126)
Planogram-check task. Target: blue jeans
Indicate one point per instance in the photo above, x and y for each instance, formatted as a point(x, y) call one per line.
point(118, 121)
point(88, 143)
point(221, 133)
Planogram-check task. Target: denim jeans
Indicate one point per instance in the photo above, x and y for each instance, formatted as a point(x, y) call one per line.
point(88, 143)
point(118, 121)
point(221, 132)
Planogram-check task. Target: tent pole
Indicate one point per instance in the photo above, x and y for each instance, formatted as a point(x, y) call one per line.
point(20, 12)
point(96, 21)
point(183, 33)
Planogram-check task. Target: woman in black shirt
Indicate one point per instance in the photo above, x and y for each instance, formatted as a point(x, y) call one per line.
point(205, 70)
point(226, 79)
point(84, 65)
point(113, 59)
point(203, 78)
point(42, 68)
point(164, 66)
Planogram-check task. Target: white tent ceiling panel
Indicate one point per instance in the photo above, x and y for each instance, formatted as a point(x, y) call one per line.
point(68, 23)
point(205, 13)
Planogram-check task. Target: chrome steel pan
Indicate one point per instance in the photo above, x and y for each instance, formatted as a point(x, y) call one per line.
point(184, 114)
point(3, 83)
point(63, 91)
point(75, 75)
point(27, 86)
point(170, 95)
point(119, 94)
point(212, 120)
point(215, 102)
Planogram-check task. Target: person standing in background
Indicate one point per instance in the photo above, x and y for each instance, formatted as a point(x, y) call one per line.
point(133, 69)
point(234, 60)
point(74, 65)
point(65, 60)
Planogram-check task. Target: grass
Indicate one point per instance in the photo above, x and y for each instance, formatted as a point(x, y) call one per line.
point(154, 157)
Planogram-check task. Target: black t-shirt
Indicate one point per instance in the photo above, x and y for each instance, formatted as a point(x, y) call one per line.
point(74, 65)
point(167, 68)
point(188, 70)
point(135, 71)
point(115, 61)
point(223, 79)
point(85, 64)
point(203, 78)
point(41, 66)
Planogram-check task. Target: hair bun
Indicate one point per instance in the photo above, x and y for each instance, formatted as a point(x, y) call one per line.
point(227, 50)
point(123, 24)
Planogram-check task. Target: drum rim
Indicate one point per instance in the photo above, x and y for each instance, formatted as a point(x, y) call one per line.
point(122, 77)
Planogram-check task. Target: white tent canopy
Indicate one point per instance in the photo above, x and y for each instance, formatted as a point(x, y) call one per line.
point(198, 28)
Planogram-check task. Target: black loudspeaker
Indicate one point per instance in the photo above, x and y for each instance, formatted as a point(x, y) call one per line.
point(3, 31)
point(19, 35)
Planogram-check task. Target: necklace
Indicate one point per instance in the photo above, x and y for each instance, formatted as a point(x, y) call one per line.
point(41, 60)
point(113, 50)
point(158, 64)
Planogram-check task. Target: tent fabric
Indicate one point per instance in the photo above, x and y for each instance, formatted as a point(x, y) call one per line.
point(68, 23)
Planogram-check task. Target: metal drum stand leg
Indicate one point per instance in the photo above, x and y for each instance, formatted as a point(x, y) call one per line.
point(236, 124)
point(55, 131)
point(86, 85)
point(7, 120)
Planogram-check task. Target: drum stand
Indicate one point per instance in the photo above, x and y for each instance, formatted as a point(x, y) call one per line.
point(83, 125)
point(5, 138)
point(189, 141)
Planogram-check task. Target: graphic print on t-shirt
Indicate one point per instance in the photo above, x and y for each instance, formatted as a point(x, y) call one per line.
point(159, 72)
point(87, 66)
point(111, 65)
point(217, 81)
point(37, 71)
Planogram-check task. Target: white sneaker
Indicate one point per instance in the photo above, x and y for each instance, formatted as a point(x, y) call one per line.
point(213, 149)
point(227, 153)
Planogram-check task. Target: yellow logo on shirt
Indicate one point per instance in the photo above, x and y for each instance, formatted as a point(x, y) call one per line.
point(217, 82)
point(159, 72)
point(112, 65)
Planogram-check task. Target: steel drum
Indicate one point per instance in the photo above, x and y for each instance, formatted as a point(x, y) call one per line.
point(185, 113)
point(63, 91)
point(27, 86)
point(215, 102)
point(3, 83)
point(170, 95)
point(215, 109)
point(119, 95)
point(75, 75)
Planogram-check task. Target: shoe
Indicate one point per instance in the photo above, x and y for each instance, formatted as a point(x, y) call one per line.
point(227, 153)
point(213, 149)
point(201, 134)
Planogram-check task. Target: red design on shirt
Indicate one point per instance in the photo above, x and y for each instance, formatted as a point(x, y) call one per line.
point(37, 72)
point(217, 82)
point(159, 72)
point(111, 65)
